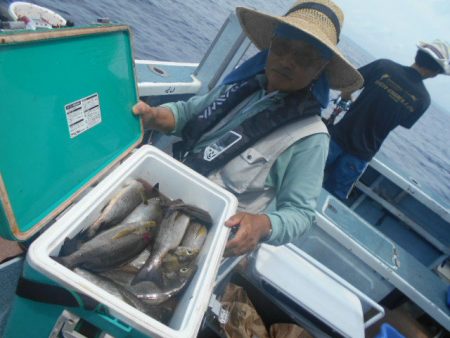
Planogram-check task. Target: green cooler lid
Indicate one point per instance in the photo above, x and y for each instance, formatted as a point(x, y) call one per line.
point(65, 117)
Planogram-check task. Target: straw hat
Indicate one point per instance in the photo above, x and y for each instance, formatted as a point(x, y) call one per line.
point(322, 20)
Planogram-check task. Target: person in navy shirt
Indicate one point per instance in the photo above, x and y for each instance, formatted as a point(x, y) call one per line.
point(393, 95)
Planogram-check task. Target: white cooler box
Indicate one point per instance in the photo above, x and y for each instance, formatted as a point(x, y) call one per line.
point(175, 181)
point(66, 126)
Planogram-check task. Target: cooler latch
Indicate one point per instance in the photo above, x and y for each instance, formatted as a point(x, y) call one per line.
point(217, 309)
point(69, 325)
point(65, 326)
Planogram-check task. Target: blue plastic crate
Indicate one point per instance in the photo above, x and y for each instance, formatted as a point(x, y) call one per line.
point(387, 331)
point(448, 296)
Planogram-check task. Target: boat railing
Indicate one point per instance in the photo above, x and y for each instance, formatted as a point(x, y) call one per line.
point(385, 256)
point(157, 78)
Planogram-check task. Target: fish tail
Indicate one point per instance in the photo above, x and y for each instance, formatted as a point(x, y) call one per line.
point(148, 273)
point(149, 190)
point(202, 215)
point(71, 245)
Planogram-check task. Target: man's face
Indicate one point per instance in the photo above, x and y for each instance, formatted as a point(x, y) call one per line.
point(292, 65)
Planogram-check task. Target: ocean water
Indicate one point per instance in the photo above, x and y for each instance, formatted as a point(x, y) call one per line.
point(174, 30)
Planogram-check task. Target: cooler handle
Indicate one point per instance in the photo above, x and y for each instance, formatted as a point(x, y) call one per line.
point(52, 294)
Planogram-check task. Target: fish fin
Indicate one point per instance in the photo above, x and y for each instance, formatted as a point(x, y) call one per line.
point(152, 273)
point(149, 190)
point(71, 245)
point(202, 231)
point(123, 233)
point(84, 234)
point(201, 215)
point(134, 227)
point(104, 207)
point(164, 199)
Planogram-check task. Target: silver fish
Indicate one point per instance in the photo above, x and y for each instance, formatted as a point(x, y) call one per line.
point(121, 204)
point(122, 293)
point(148, 211)
point(112, 247)
point(181, 254)
point(170, 234)
point(152, 294)
point(123, 275)
point(195, 236)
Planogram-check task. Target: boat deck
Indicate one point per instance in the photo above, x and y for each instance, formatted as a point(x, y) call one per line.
point(8, 249)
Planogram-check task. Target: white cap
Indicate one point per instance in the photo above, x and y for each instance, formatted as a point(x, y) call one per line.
point(439, 51)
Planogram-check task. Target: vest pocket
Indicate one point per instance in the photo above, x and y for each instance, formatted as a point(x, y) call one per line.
point(242, 170)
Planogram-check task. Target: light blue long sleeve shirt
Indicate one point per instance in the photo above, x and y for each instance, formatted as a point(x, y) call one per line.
point(296, 175)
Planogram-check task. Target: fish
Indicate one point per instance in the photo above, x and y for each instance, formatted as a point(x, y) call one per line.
point(194, 212)
point(112, 247)
point(149, 210)
point(170, 234)
point(195, 236)
point(171, 262)
point(180, 254)
point(130, 195)
point(122, 293)
point(152, 294)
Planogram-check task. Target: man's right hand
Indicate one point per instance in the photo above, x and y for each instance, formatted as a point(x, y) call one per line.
point(159, 118)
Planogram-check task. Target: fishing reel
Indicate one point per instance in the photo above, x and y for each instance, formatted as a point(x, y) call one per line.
point(341, 105)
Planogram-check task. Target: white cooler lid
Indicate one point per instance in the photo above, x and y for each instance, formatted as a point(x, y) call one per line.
point(287, 269)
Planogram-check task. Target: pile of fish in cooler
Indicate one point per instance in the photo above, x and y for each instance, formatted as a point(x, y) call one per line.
point(142, 248)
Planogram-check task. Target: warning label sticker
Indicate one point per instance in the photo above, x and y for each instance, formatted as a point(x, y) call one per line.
point(83, 114)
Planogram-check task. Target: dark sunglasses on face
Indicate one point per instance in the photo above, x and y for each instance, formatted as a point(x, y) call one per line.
point(303, 56)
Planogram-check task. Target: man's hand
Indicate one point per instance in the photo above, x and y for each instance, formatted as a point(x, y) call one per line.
point(159, 118)
point(252, 228)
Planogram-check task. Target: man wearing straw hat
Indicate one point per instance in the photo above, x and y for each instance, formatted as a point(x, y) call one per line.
point(393, 95)
point(259, 134)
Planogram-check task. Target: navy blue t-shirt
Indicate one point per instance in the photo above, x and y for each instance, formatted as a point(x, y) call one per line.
point(393, 95)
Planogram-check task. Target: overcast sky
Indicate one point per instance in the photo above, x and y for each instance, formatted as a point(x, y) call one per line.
point(391, 28)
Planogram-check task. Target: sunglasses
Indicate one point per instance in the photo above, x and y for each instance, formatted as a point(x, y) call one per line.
point(303, 54)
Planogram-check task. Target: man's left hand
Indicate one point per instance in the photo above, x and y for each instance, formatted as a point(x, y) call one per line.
point(251, 229)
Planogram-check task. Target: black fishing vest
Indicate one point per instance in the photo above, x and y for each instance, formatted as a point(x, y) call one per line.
point(293, 107)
